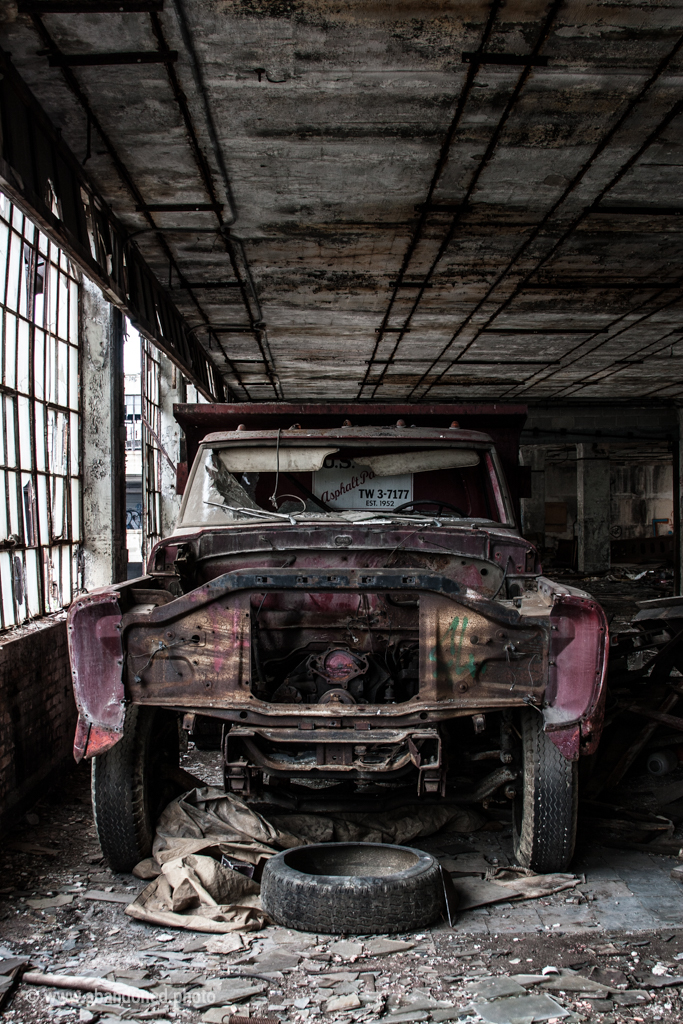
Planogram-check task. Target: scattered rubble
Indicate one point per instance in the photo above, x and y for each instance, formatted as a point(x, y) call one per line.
point(604, 944)
point(575, 955)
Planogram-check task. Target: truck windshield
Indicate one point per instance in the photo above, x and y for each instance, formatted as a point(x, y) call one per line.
point(230, 484)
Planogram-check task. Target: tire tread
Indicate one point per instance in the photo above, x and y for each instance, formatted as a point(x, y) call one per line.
point(546, 837)
point(386, 905)
point(119, 797)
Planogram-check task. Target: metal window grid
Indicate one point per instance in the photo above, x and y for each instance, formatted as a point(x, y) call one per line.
point(151, 453)
point(41, 566)
point(133, 404)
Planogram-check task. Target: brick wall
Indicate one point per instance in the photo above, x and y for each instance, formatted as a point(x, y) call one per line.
point(37, 712)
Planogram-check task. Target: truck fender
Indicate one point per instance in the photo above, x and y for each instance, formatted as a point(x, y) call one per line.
point(577, 669)
point(96, 655)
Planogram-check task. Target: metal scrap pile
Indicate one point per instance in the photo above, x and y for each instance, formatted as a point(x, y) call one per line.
point(633, 792)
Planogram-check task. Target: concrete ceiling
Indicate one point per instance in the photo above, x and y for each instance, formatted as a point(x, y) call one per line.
point(398, 210)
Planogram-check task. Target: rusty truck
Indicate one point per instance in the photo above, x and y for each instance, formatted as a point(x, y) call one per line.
point(346, 604)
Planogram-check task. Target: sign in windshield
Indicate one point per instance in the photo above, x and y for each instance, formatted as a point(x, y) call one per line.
point(342, 483)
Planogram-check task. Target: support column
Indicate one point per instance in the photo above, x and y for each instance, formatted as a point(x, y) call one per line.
point(172, 391)
point(593, 507)
point(678, 504)
point(533, 508)
point(103, 440)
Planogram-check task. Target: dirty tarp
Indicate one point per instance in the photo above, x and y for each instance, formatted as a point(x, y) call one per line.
point(211, 818)
point(203, 831)
point(194, 886)
point(397, 827)
point(509, 883)
point(202, 895)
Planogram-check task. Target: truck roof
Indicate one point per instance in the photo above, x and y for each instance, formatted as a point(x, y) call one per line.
point(405, 435)
point(498, 422)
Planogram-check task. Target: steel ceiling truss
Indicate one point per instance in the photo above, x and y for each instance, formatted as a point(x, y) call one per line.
point(526, 282)
point(232, 245)
point(41, 174)
point(434, 374)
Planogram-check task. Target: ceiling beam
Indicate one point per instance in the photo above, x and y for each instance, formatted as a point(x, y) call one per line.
point(87, 230)
point(179, 207)
point(544, 330)
point(517, 60)
point(88, 6)
point(87, 60)
point(206, 284)
point(636, 211)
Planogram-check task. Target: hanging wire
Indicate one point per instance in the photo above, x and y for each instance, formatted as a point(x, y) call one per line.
point(88, 140)
point(273, 497)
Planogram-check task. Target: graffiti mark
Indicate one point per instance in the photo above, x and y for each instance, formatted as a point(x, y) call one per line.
point(460, 662)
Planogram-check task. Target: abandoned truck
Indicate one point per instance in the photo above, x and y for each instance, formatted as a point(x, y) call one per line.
point(350, 605)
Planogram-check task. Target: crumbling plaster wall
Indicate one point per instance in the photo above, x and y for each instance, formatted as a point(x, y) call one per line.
point(639, 493)
point(103, 424)
point(172, 391)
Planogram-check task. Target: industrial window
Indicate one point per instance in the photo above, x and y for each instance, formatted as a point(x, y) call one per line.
point(151, 447)
point(40, 475)
point(133, 422)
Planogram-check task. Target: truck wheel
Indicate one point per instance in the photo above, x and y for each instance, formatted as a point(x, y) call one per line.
point(544, 816)
point(130, 787)
point(352, 888)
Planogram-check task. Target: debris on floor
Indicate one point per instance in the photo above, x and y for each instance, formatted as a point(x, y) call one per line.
point(210, 848)
point(604, 950)
point(201, 894)
point(518, 1006)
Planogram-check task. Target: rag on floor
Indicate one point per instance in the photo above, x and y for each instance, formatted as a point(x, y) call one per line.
point(208, 843)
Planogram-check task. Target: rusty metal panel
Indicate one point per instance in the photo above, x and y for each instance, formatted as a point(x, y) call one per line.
point(96, 653)
point(577, 672)
point(195, 651)
point(465, 652)
point(202, 659)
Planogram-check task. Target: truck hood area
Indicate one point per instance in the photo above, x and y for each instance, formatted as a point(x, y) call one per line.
point(475, 554)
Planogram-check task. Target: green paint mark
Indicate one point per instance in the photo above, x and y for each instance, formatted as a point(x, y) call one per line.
point(456, 651)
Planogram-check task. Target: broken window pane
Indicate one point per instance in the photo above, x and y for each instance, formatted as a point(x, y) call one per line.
point(40, 483)
point(151, 453)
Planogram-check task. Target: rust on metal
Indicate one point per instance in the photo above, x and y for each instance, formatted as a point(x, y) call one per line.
point(359, 642)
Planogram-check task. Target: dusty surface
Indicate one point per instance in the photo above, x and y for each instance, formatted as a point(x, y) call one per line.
point(619, 930)
point(620, 589)
point(626, 917)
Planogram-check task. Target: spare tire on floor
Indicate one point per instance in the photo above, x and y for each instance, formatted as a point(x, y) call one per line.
point(352, 888)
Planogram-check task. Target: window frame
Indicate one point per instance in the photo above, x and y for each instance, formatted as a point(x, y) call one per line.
point(41, 479)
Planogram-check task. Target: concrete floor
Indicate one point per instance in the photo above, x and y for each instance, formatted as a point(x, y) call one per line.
point(622, 924)
point(631, 922)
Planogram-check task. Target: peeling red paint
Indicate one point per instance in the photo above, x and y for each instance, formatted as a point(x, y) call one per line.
point(96, 654)
point(458, 609)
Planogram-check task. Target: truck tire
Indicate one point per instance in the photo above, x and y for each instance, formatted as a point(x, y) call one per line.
point(545, 811)
point(130, 788)
point(352, 888)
